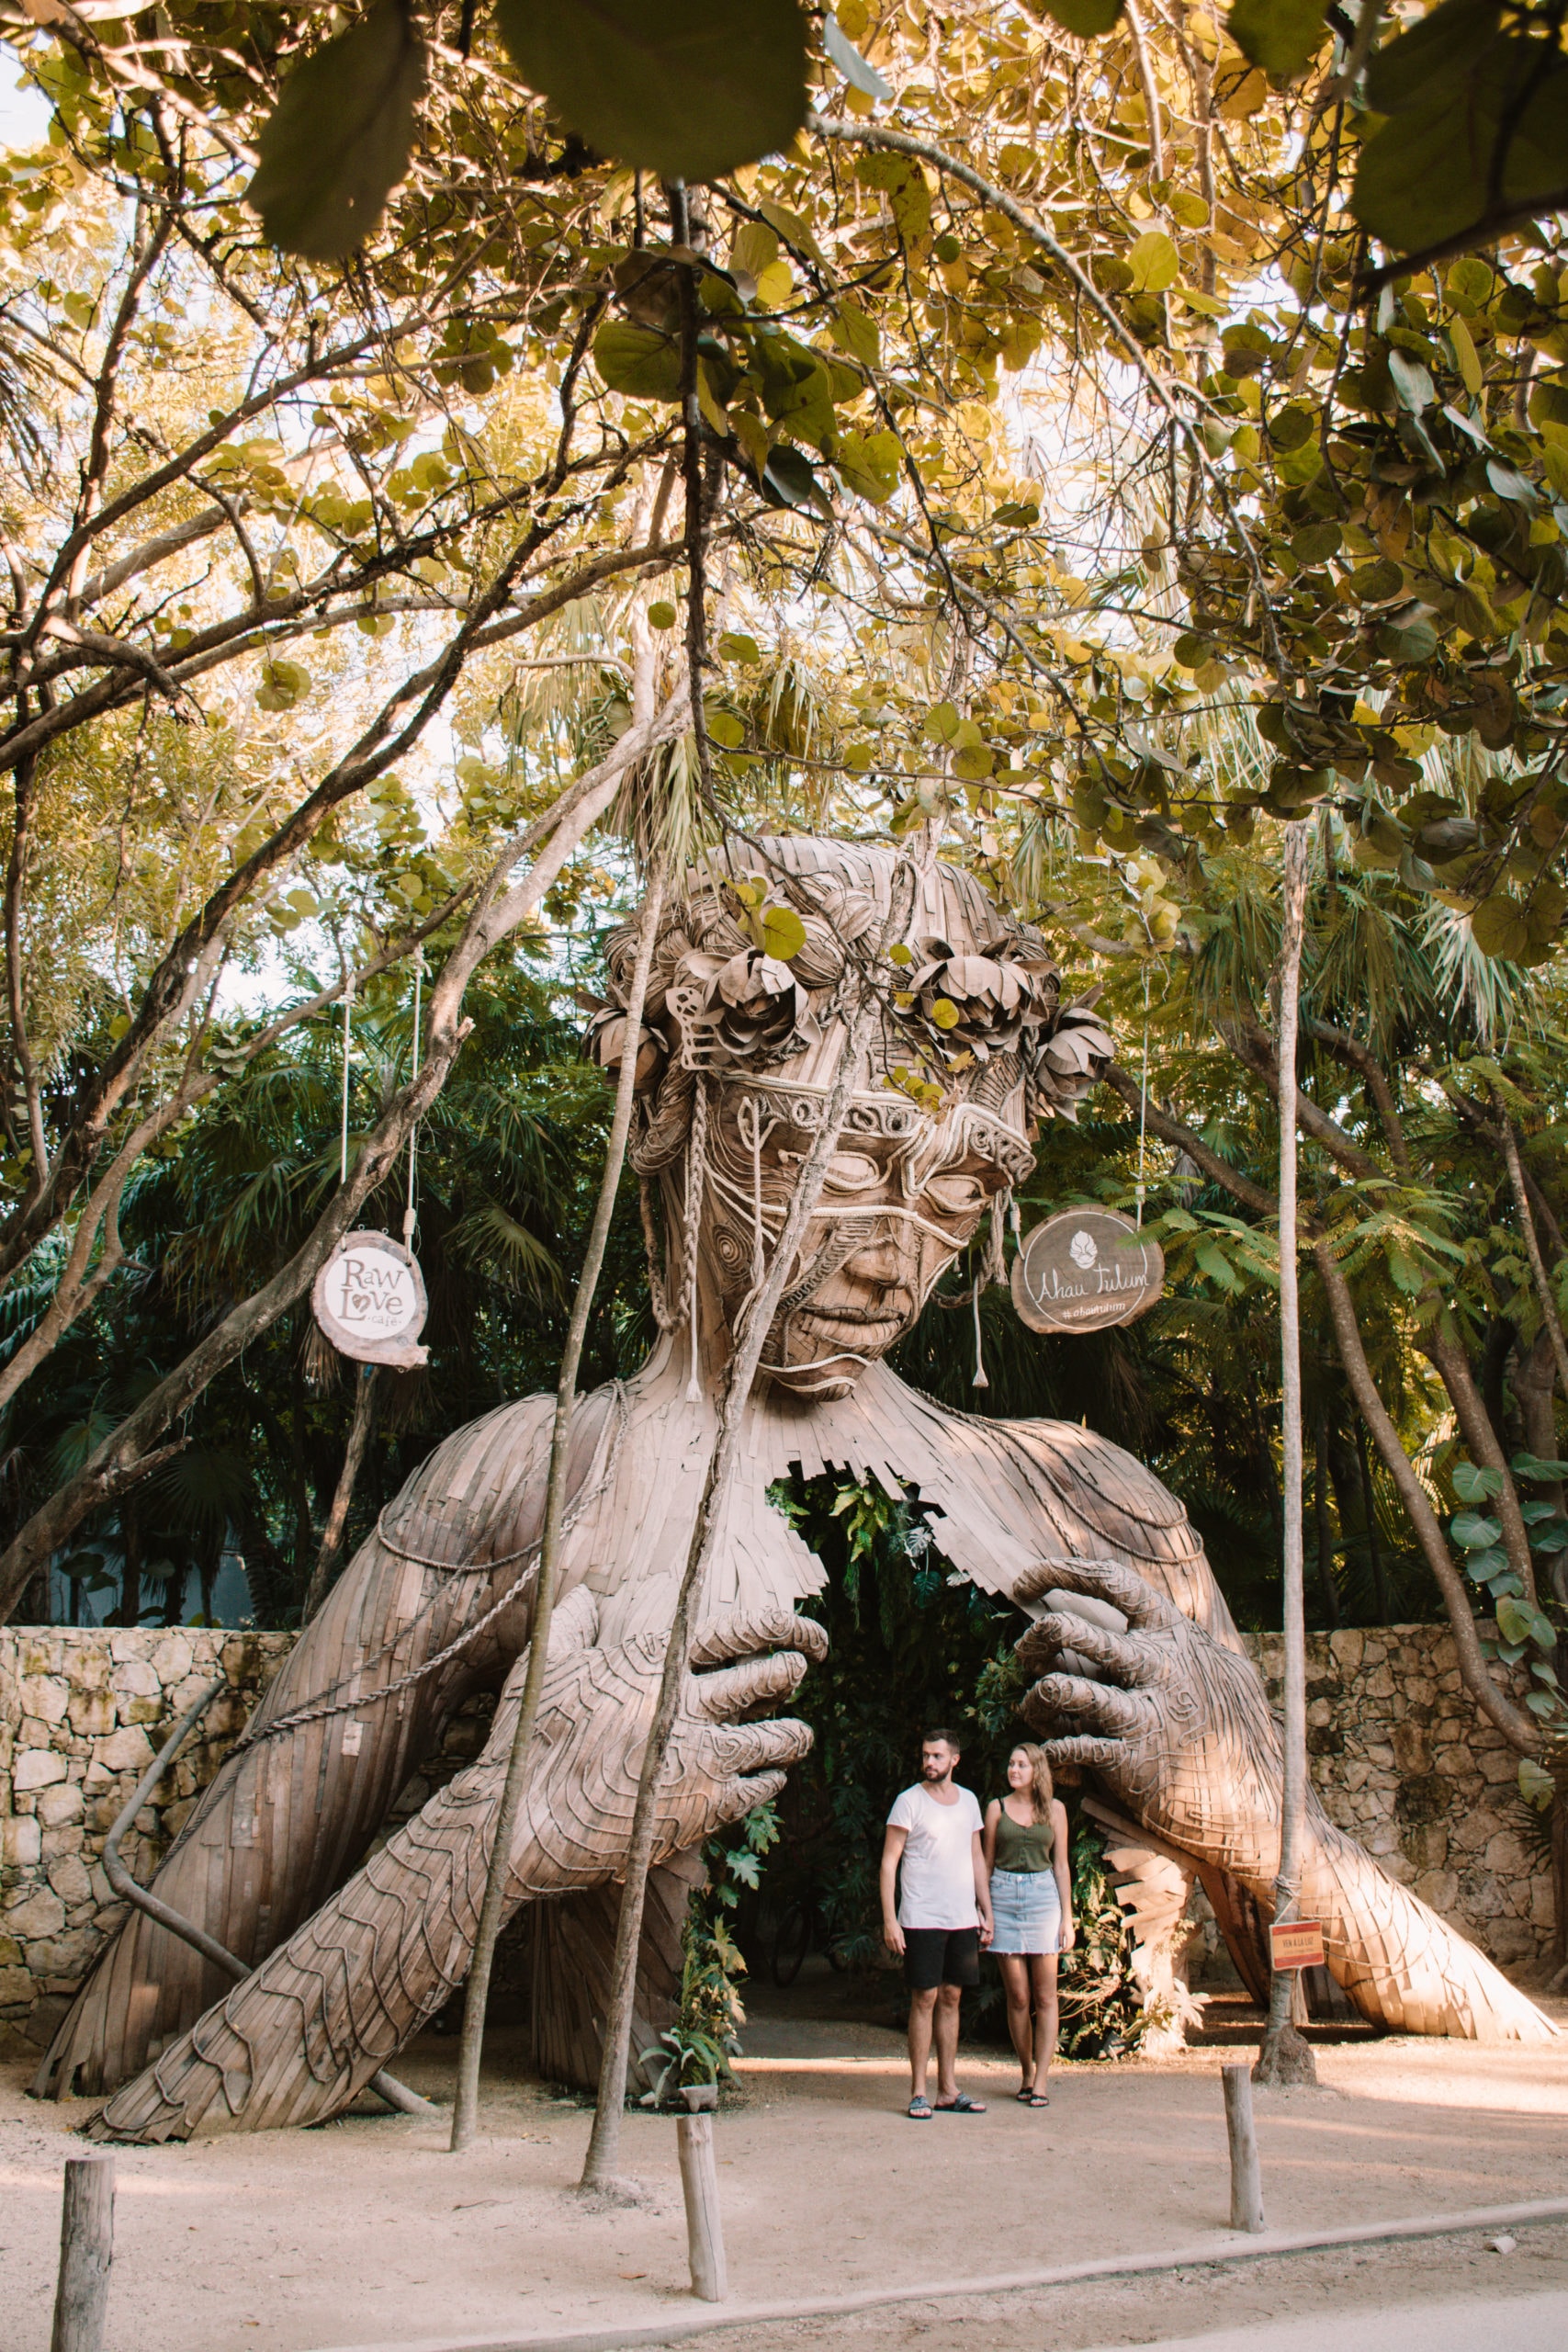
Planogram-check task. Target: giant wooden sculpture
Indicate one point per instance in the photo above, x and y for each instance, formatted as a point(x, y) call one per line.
point(1168, 1716)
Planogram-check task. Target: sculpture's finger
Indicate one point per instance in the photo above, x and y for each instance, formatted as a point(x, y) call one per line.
point(723, 1696)
point(738, 1796)
point(1097, 1706)
point(743, 1633)
point(1091, 1755)
point(574, 1623)
point(757, 1748)
point(1120, 1654)
point(1102, 1580)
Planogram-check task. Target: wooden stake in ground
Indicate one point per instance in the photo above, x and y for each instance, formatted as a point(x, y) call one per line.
point(704, 2223)
point(1285, 2057)
point(603, 2147)
point(465, 2109)
point(1246, 2174)
point(87, 2251)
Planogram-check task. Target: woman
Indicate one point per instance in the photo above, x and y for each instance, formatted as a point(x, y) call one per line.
point(1031, 1904)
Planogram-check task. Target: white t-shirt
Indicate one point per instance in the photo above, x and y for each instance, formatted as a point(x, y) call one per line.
point(937, 1884)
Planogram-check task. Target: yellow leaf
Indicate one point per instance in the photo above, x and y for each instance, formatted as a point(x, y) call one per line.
point(1466, 353)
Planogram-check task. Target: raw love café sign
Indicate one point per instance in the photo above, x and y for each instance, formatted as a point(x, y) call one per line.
point(369, 1299)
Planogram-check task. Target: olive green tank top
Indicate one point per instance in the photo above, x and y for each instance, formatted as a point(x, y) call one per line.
point(1023, 1850)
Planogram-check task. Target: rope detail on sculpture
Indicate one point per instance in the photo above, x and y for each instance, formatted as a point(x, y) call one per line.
point(320, 1710)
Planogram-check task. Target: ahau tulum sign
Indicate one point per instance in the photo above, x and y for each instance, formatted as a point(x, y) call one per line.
point(369, 1300)
point(1084, 1270)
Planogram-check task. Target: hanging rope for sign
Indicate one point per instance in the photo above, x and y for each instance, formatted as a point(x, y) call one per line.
point(1139, 1188)
point(369, 1296)
point(347, 1057)
point(409, 1216)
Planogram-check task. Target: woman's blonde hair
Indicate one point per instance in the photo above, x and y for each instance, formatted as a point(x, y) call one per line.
point(1041, 1788)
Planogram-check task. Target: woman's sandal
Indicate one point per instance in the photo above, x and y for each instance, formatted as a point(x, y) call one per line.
point(1038, 2099)
point(1025, 2095)
point(961, 2105)
point(920, 2110)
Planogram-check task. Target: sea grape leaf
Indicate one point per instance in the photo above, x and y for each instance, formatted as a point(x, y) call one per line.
point(1085, 18)
point(638, 360)
point(1436, 54)
point(1281, 36)
point(1428, 173)
point(690, 90)
point(784, 933)
point(1154, 261)
point(338, 139)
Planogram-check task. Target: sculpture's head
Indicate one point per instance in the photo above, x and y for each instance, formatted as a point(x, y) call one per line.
point(756, 966)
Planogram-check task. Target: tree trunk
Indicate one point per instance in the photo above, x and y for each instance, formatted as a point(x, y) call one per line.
point(1320, 1516)
point(1284, 2056)
point(360, 1423)
point(465, 2106)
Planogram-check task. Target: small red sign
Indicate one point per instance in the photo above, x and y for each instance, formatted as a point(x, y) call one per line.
point(1298, 1944)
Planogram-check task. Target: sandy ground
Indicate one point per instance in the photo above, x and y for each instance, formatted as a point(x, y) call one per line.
point(368, 2232)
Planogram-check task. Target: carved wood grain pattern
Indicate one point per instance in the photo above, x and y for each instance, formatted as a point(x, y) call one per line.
point(570, 1945)
point(287, 1820)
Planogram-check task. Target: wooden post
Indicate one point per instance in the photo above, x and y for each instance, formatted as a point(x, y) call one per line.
point(86, 2250)
point(1246, 2176)
point(705, 2229)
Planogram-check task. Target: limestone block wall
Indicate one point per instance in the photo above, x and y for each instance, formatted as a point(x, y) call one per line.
point(82, 1713)
point(1403, 1759)
point(1399, 1753)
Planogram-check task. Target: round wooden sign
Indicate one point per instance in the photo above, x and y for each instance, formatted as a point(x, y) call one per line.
point(1084, 1270)
point(369, 1300)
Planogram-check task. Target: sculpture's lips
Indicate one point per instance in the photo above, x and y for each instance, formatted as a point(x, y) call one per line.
point(859, 1330)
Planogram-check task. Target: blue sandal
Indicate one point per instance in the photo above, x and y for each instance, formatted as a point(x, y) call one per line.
point(920, 2110)
point(961, 2105)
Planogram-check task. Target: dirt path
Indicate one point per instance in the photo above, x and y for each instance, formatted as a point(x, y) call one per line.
point(368, 2232)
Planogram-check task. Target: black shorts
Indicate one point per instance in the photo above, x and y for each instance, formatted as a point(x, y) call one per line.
point(935, 1956)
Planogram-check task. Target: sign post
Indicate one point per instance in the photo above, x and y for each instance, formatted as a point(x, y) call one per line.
point(1297, 1943)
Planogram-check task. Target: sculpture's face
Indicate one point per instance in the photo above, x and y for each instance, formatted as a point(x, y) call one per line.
point(904, 1196)
point(742, 1023)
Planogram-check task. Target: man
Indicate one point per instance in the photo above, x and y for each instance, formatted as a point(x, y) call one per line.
point(942, 1918)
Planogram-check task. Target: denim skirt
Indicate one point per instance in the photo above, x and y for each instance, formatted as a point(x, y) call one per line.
point(1027, 1912)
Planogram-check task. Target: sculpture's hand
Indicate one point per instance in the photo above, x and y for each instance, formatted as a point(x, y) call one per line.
point(1183, 1736)
point(307, 2028)
point(597, 1710)
point(1181, 1732)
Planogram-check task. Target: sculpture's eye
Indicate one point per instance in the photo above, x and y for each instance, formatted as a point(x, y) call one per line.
point(956, 1195)
point(852, 1172)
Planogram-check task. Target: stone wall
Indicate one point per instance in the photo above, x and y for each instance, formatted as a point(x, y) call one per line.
point(1399, 1753)
point(1405, 1761)
point(82, 1713)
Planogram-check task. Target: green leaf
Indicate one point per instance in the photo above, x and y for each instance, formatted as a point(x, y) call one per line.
point(1474, 1533)
point(1429, 172)
point(869, 463)
point(1472, 1484)
point(1085, 18)
point(638, 360)
point(1282, 36)
point(1531, 1467)
point(338, 139)
point(733, 646)
point(689, 89)
point(1498, 926)
point(1537, 1787)
point(973, 762)
point(1154, 263)
point(784, 933)
point(661, 615)
point(1514, 1619)
point(725, 730)
point(1435, 55)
